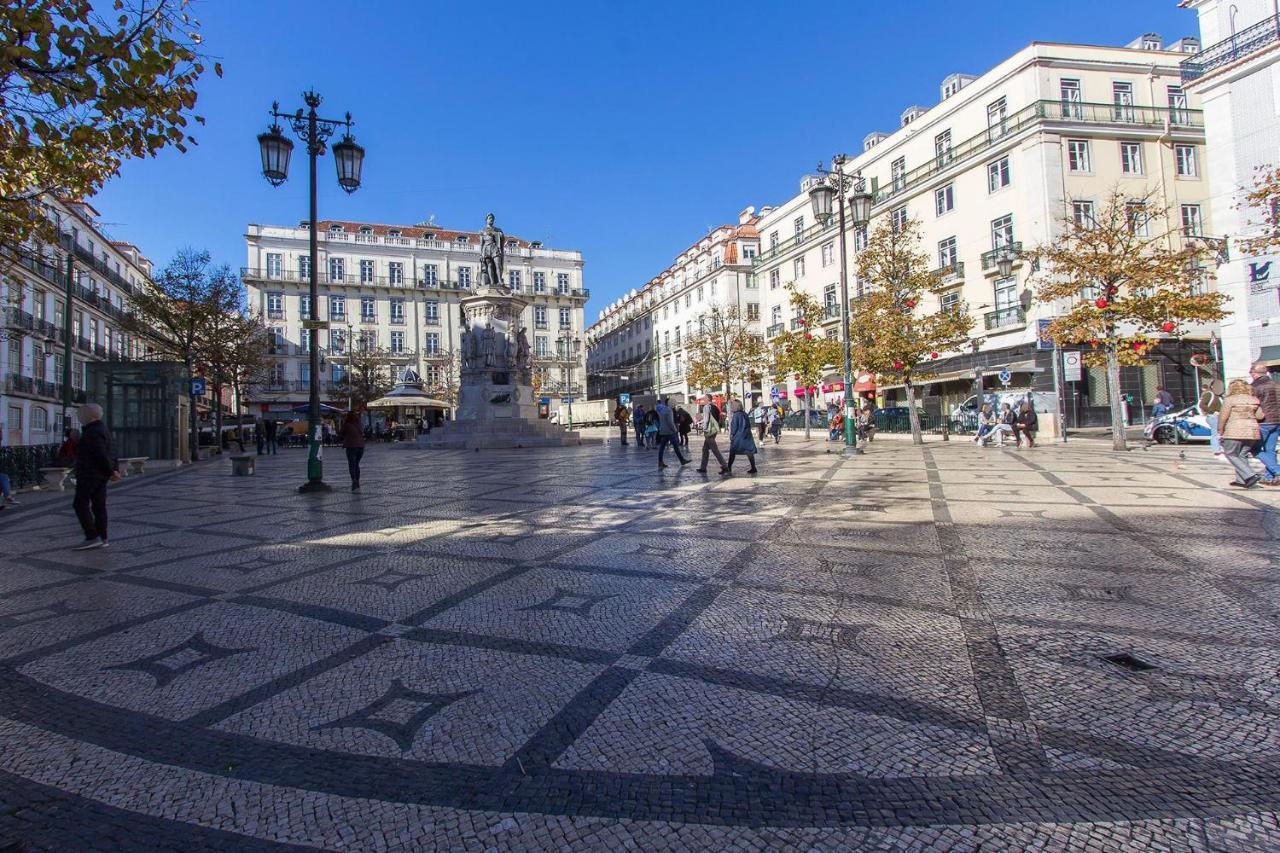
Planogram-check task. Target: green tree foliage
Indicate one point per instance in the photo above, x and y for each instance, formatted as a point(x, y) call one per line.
point(802, 352)
point(724, 349)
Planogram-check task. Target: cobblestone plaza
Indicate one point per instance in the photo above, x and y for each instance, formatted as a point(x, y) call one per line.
point(921, 648)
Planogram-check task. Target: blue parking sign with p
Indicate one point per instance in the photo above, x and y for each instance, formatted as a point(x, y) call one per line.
point(197, 386)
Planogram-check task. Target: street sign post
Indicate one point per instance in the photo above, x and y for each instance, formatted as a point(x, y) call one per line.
point(197, 386)
point(1071, 366)
point(624, 399)
point(315, 324)
point(1005, 378)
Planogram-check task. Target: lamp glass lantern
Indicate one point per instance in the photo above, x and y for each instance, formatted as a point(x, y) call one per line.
point(1004, 263)
point(348, 157)
point(821, 196)
point(276, 150)
point(860, 206)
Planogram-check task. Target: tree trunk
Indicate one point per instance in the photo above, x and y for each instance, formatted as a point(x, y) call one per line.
point(806, 414)
point(193, 421)
point(235, 395)
point(217, 414)
point(913, 415)
point(1117, 405)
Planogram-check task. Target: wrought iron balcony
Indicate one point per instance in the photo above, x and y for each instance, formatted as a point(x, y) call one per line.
point(1238, 46)
point(951, 272)
point(831, 312)
point(774, 330)
point(1005, 318)
point(989, 259)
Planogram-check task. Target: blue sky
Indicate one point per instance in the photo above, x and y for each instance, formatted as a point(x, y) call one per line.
point(625, 130)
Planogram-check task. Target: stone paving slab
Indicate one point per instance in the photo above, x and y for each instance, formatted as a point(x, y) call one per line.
point(937, 648)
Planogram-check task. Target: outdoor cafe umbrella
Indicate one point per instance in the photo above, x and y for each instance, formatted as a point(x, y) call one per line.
point(325, 409)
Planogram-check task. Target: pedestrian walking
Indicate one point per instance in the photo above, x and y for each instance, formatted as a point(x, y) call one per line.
point(711, 427)
point(637, 423)
point(775, 425)
point(1210, 405)
point(67, 450)
point(1268, 394)
point(272, 430)
point(622, 418)
point(740, 440)
point(651, 429)
point(761, 417)
point(95, 467)
point(684, 423)
point(668, 434)
point(260, 435)
point(353, 442)
point(1026, 425)
point(6, 491)
point(1241, 429)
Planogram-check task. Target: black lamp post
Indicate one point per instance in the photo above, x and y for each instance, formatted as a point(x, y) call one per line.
point(822, 193)
point(348, 157)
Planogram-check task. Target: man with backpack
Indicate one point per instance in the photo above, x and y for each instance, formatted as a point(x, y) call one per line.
point(711, 427)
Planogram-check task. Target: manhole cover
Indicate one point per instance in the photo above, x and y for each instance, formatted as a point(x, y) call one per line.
point(1129, 662)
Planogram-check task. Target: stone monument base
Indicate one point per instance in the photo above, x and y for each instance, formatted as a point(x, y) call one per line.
point(496, 416)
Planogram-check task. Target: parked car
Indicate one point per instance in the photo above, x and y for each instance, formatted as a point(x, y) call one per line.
point(1184, 425)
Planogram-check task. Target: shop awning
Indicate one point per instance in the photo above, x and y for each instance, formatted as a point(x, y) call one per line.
point(1270, 354)
point(1027, 366)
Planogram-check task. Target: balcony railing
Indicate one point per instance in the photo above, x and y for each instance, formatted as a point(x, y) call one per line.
point(990, 259)
point(790, 243)
point(774, 330)
point(950, 273)
point(1005, 318)
point(1238, 46)
point(1071, 112)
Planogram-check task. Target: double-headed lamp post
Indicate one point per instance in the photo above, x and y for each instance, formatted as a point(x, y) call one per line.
point(829, 186)
point(349, 159)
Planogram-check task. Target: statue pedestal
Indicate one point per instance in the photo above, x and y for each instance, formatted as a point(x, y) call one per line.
point(496, 406)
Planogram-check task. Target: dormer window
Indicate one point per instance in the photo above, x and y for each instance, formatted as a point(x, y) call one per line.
point(461, 238)
point(365, 229)
point(428, 235)
point(336, 229)
point(394, 232)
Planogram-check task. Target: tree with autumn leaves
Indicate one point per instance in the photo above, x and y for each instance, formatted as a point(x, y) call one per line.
point(799, 352)
point(1263, 203)
point(723, 349)
point(1123, 276)
point(83, 87)
point(890, 331)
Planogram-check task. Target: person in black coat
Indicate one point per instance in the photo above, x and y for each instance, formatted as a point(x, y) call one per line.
point(95, 467)
point(1026, 425)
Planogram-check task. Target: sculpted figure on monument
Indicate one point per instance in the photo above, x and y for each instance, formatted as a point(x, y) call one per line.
point(522, 350)
point(486, 346)
point(492, 255)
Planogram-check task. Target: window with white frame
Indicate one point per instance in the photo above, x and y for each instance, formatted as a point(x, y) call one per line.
point(1185, 157)
point(1002, 231)
point(395, 272)
point(565, 321)
point(1131, 158)
point(1082, 212)
point(275, 341)
point(997, 118)
point(397, 311)
point(798, 224)
point(773, 239)
point(366, 272)
point(898, 218)
point(951, 300)
point(1122, 98)
point(431, 340)
point(275, 304)
point(368, 309)
point(944, 200)
point(304, 306)
point(464, 277)
point(1138, 218)
point(513, 279)
point(753, 310)
point(828, 254)
point(1006, 293)
point(797, 269)
point(430, 275)
point(275, 263)
point(338, 340)
point(1069, 89)
point(15, 419)
point(775, 279)
point(829, 297)
point(562, 282)
point(1192, 224)
point(860, 238)
point(367, 340)
point(942, 148)
point(397, 342)
point(998, 174)
point(304, 267)
point(947, 253)
point(748, 252)
point(1178, 113)
point(1078, 159)
point(542, 346)
point(898, 173)
point(431, 311)
point(337, 308)
point(337, 270)
point(539, 282)
point(775, 315)
point(540, 316)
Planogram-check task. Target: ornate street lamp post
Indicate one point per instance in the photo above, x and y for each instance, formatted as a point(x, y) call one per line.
point(276, 149)
point(835, 184)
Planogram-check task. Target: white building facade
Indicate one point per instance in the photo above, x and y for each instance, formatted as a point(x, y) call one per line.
point(1237, 80)
point(997, 164)
point(396, 290)
point(33, 291)
point(644, 336)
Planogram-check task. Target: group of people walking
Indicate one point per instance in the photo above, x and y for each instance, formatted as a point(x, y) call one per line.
point(663, 427)
point(1248, 424)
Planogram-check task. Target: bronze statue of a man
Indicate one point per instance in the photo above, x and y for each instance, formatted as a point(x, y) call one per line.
point(492, 254)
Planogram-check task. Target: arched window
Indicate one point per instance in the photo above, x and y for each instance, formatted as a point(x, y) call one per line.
point(336, 228)
point(462, 238)
point(365, 229)
point(394, 232)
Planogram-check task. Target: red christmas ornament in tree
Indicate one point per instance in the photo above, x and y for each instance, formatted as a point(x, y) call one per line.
point(808, 337)
point(897, 365)
point(1138, 346)
point(802, 322)
point(1101, 302)
point(911, 303)
point(933, 355)
point(1168, 326)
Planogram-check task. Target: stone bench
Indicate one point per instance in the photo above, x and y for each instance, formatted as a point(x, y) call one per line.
point(243, 465)
point(54, 478)
point(206, 451)
point(130, 466)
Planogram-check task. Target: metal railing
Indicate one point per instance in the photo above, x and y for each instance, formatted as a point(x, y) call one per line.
point(1004, 318)
point(22, 463)
point(1241, 44)
point(790, 243)
point(1130, 115)
point(951, 272)
point(774, 330)
point(990, 259)
point(831, 312)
